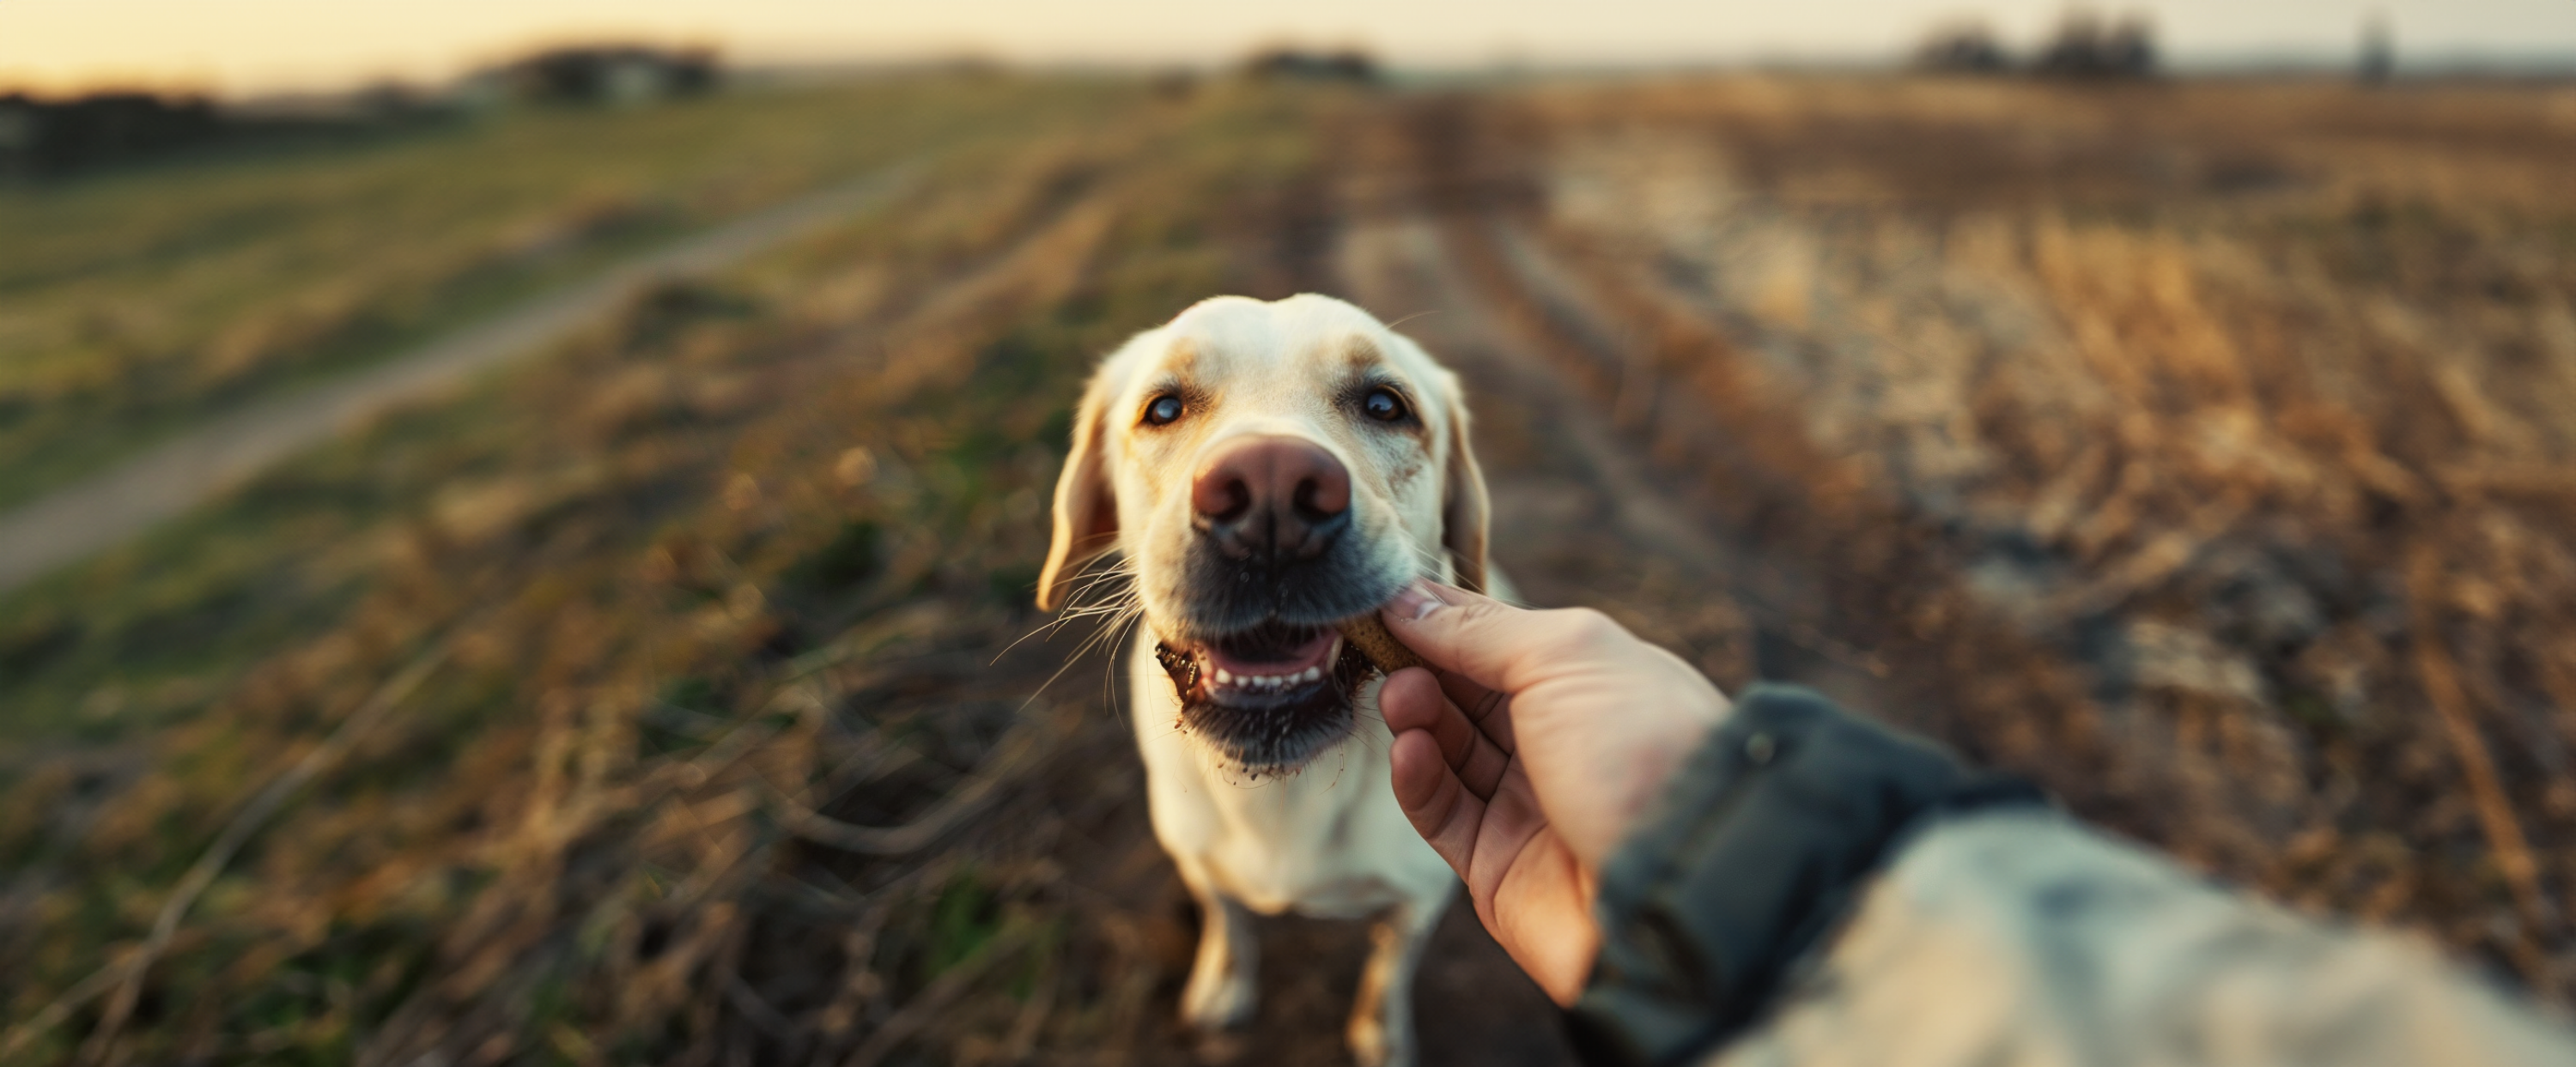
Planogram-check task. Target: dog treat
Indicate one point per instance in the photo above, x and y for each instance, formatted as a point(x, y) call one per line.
point(1369, 635)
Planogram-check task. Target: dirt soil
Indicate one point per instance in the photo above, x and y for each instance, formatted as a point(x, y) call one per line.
point(1939, 431)
point(737, 759)
point(1703, 470)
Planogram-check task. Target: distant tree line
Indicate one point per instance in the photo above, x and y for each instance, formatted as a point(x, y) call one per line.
point(46, 137)
point(55, 137)
point(2084, 45)
point(1302, 64)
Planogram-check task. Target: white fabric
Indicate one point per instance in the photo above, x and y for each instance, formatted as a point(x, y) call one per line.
point(2022, 939)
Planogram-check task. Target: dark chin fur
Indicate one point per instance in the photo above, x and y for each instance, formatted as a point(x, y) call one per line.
point(1267, 734)
point(1223, 596)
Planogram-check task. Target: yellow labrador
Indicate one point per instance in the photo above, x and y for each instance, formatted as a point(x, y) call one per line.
point(1265, 470)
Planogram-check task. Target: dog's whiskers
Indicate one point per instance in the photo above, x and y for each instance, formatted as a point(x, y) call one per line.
point(1429, 562)
point(1075, 611)
point(1122, 608)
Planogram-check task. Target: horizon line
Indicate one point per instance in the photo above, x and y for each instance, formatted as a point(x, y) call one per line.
point(772, 62)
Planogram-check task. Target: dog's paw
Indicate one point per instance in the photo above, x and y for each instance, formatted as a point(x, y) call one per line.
point(1217, 998)
point(1373, 1046)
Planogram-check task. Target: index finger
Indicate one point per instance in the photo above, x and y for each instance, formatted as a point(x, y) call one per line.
point(1484, 642)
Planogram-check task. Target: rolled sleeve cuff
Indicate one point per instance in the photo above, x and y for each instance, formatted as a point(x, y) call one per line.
point(1755, 850)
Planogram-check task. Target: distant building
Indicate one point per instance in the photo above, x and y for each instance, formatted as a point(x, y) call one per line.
point(598, 74)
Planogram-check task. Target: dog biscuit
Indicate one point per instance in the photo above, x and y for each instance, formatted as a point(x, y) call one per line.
point(1369, 635)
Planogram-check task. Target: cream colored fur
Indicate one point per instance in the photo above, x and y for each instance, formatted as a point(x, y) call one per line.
point(1329, 840)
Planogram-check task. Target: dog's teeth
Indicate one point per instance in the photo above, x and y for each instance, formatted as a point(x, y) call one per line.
point(1267, 681)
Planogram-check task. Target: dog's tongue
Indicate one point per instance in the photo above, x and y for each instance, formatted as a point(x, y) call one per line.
point(1280, 658)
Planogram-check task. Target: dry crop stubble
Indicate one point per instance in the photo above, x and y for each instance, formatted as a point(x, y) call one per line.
point(135, 304)
point(2189, 448)
point(767, 621)
point(2136, 429)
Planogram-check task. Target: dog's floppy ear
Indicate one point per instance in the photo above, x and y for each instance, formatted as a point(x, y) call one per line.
point(1465, 510)
point(1086, 511)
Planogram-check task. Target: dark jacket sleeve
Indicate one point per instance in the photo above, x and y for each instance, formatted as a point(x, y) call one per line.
point(1756, 850)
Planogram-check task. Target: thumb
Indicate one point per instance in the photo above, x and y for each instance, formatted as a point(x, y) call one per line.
point(1483, 640)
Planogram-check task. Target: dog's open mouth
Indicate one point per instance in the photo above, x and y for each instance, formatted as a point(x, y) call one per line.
point(1268, 698)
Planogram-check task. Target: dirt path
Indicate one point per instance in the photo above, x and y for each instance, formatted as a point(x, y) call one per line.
point(108, 507)
point(1600, 499)
point(1582, 515)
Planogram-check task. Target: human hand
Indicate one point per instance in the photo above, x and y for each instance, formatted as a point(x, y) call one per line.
point(1525, 758)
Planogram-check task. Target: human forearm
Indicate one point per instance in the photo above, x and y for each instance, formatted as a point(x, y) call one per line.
point(2022, 939)
point(1814, 888)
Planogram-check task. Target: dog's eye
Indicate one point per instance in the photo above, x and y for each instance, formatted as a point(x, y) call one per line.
point(1383, 405)
point(1163, 411)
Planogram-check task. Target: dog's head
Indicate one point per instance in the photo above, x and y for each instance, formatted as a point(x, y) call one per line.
point(1268, 470)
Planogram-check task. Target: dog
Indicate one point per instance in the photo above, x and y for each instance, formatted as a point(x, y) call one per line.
point(1263, 471)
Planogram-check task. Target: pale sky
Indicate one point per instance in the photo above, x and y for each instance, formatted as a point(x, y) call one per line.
point(268, 45)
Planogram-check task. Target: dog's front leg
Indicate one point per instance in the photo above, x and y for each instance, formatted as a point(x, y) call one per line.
point(1381, 1029)
point(1221, 990)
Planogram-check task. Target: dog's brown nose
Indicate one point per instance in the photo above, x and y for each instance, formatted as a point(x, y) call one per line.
point(1272, 498)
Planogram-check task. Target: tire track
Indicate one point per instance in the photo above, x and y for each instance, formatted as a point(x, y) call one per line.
point(111, 506)
point(1599, 485)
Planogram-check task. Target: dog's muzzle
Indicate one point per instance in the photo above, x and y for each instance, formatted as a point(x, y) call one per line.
point(1270, 698)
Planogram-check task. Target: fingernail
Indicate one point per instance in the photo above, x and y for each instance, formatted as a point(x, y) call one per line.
point(1416, 601)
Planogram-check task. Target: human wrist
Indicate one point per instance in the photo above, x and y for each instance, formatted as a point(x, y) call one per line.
point(1641, 776)
point(1750, 854)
